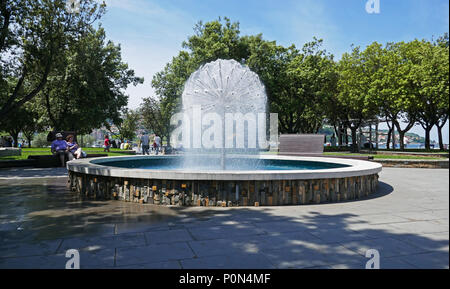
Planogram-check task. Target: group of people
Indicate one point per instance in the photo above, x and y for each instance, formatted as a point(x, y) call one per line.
point(6, 142)
point(67, 148)
point(145, 143)
point(112, 143)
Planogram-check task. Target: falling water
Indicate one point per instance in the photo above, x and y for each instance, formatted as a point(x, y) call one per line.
point(223, 87)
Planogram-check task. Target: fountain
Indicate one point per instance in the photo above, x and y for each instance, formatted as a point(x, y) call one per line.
point(222, 128)
point(230, 95)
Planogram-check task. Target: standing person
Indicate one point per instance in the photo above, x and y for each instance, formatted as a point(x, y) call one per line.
point(158, 143)
point(145, 142)
point(333, 141)
point(107, 144)
point(8, 142)
point(59, 148)
point(154, 146)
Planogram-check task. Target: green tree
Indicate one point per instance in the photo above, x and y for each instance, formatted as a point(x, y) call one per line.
point(353, 91)
point(156, 117)
point(432, 76)
point(391, 67)
point(297, 83)
point(33, 36)
point(442, 45)
point(313, 78)
point(211, 41)
point(128, 124)
point(86, 90)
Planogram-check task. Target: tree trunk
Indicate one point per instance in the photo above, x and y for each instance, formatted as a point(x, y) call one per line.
point(393, 136)
point(29, 138)
point(441, 142)
point(355, 146)
point(440, 125)
point(376, 136)
point(346, 135)
point(388, 140)
point(402, 132)
point(401, 136)
point(15, 137)
point(427, 137)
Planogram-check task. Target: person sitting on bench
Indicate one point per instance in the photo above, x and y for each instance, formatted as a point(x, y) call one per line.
point(59, 148)
point(74, 148)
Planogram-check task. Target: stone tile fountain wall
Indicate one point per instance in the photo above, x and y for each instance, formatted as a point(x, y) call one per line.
point(223, 193)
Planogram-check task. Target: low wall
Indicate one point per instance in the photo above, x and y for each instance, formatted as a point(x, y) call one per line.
point(223, 193)
point(9, 152)
point(301, 144)
point(429, 164)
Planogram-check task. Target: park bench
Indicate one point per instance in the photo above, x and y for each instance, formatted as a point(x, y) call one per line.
point(301, 144)
point(49, 161)
point(308, 145)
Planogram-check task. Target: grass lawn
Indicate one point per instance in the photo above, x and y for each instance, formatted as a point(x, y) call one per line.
point(46, 151)
point(387, 156)
point(117, 152)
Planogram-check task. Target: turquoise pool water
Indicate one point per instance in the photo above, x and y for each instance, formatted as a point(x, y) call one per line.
point(212, 163)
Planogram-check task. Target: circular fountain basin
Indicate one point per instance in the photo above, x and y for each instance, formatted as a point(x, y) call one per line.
point(248, 180)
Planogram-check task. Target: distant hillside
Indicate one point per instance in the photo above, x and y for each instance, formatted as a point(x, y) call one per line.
point(413, 137)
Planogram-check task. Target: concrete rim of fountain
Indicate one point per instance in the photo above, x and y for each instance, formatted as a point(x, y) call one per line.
point(356, 168)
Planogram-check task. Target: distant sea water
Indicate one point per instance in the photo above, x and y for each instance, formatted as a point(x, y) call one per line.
point(410, 146)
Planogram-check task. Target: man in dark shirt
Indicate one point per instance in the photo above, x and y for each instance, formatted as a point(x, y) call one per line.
point(59, 148)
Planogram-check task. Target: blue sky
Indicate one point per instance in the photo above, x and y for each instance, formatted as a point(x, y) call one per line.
point(151, 31)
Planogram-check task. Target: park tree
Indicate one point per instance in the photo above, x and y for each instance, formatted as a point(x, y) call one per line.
point(432, 76)
point(156, 116)
point(211, 41)
point(34, 35)
point(25, 120)
point(395, 97)
point(353, 91)
point(127, 124)
point(313, 77)
point(442, 45)
point(33, 123)
point(271, 61)
point(86, 89)
point(297, 82)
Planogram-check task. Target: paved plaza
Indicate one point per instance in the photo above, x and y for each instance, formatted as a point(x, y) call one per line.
point(406, 221)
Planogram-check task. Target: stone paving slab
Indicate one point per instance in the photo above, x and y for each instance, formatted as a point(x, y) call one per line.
point(299, 258)
point(153, 254)
point(159, 265)
point(218, 232)
point(22, 173)
point(169, 236)
point(234, 246)
point(388, 247)
point(331, 235)
point(430, 260)
point(88, 260)
point(420, 227)
point(241, 261)
point(104, 242)
point(407, 222)
point(8, 250)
